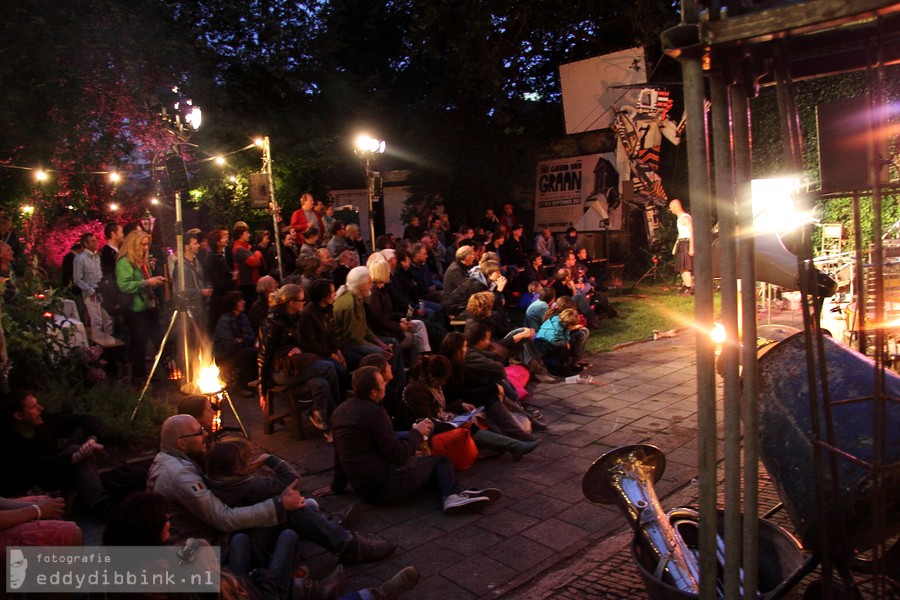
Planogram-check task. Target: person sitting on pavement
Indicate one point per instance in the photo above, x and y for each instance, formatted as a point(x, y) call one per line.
point(559, 337)
point(383, 467)
point(424, 395)
point(283, 361)
point(234, 343)
point(534, 314)
point(196, 512)
point(482, 367)
point(36, 521)
point(516, 343)
point(463, 388)
point(238, 480)
point(37, 463)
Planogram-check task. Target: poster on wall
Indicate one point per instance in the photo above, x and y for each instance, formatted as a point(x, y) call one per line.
point(580, 192)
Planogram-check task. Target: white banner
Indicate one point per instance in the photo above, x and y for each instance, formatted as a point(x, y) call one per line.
point(580, 192)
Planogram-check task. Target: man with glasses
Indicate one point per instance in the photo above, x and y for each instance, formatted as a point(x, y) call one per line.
point(196, 512)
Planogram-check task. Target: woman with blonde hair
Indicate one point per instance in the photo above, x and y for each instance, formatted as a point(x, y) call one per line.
point(142, 317)
point(283, 361)
point(386, 320)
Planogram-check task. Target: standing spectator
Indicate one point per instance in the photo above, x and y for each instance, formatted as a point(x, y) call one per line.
point(337, 240)
point(545, 245)
point(305, 217)
point(327, 222)
point(288, 255)
point(197, 291)
point(234, 342)
point(68, 272)
point(247, 262)
point(10, 237)
point(86, 275)
point(142, 317)
point(110, 251)
point(263, 241)
point(219, 274)
point(310, 242)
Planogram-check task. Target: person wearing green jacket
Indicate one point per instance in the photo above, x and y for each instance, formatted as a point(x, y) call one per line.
point(142, 319)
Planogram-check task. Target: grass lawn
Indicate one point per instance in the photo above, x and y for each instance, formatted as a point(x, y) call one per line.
point(647, 307)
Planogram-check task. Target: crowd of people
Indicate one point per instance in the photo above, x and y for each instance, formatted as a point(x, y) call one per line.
point(414, 355)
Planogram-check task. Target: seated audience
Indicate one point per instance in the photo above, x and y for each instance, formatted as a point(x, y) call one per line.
point(282, 359)
point(196, 512)
point(384, 468)
point(424, 395)
point(389, 321)
point(534, 314)
point(557, 338)
point(39, 465)
point(265, 287)
point(318, 330)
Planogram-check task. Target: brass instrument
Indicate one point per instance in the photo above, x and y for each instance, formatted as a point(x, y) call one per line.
point(625, 476)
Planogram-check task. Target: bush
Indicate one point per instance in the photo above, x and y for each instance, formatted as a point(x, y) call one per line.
point(113, 403)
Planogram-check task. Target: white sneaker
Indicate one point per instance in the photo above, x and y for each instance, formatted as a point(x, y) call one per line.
point(492, 494)
point(464, 502)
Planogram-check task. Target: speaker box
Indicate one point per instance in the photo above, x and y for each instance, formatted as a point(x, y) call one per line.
point(843, 155)
point(178, 177)
point(259, 190)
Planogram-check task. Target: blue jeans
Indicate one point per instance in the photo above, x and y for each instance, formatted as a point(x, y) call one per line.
point(318, 382)
point(243, 557)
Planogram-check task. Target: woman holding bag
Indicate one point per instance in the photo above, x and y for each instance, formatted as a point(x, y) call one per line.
point(142, 317)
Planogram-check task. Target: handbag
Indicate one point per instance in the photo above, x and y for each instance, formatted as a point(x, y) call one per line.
point(457, 445)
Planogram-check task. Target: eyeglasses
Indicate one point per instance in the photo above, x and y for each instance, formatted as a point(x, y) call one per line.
point(201, 432)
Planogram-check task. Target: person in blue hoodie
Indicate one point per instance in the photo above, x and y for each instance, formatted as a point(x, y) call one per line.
point(555, 340)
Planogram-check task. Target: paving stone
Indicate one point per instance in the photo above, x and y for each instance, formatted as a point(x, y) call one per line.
point(520, 552)
point(555, 533)
point(478, 574)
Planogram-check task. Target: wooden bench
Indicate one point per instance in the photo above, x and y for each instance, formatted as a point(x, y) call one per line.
point(294, 410)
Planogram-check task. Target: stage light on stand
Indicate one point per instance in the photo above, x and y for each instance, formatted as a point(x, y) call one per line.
point(114, 177)
point(40, 175)
point(219, 160)
point(259, 142)
point(154, 201)
point(367, 148)
point(113, 206)
point(776, 204)
point(28, 210)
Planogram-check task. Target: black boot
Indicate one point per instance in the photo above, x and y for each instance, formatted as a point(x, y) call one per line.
point(539, 372)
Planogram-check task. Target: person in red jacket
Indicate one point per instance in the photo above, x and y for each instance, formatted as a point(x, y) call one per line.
point(305, 217)
point(247, 262)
